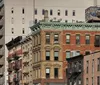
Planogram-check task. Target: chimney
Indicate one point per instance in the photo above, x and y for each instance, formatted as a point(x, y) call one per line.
point(46, 16)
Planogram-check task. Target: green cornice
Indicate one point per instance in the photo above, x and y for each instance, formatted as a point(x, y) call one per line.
point(66, 26)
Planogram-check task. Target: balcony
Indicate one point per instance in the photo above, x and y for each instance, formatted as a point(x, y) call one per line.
point(16, 80)
point(16, 67)
point(10, 70)
point(16, 57)
point(25, 81)
point(9, 59)
point(74, 71)
point(25, 51)
point(25, 70)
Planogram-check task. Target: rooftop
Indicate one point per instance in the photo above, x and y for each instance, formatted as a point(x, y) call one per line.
point(65, 26)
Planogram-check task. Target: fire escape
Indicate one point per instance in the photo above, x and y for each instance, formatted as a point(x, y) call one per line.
point(16, 69)
point(73, 73)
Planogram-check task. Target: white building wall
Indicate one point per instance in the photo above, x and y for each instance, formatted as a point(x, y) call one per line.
point(17, 16)
point(78, 5)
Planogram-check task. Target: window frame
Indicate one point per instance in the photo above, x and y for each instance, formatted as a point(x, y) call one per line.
point(47, 56)
point(78, 37)
point(47, 74)
point(68, 36)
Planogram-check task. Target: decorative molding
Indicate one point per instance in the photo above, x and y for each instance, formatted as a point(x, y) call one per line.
point(66, 26)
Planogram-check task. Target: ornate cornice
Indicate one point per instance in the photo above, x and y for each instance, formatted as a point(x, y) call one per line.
point(66, 26)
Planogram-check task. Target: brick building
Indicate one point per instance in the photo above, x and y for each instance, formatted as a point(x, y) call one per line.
point(45, 51)
point(15, 61)
point(74, 39)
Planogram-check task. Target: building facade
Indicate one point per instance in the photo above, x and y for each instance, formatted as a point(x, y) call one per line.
point(15, 61)
point(27, 61)
point(47, 57)
point(75, 70)
point(17, 16)
point(64, 11)
point(75, 39)
point(92, 69)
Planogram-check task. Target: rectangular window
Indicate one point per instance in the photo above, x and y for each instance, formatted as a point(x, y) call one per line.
point(98, 80)
point(56, 38)
point(87, 66)
point(98, 64)
point(35, 11)
point(23, 11)
point(97, 41)
point(68, 54)
point(35, 21)
point(47, 55)
point(43, 11)
point(23, 31)
point(67, 38)
point(12, 10)
point(92, 66)
point(12, 30)
point(47, 38)
point(92, 81)
point(87, 39)
point(77, 39)
point(58, 12)
point(66, 13)
point(51, 12)
point(55, 72)
point(47, 72)
point(73, 13)
point(56, 55)
point(86, 81)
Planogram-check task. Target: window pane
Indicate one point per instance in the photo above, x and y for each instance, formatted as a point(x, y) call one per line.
point(77, 39)
point(58, 12)
point(43, 11)
point(47, 38)
point(87, 39)
point(35, 11)
point(68, 38)
point(66, 12)
point(47, 70)
point(68, 54)
point(73, 12)
point(23, 11)
point(56, 72)
point(56, 53)
point(48, 53)
point(56, 38)
point(51, 12)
